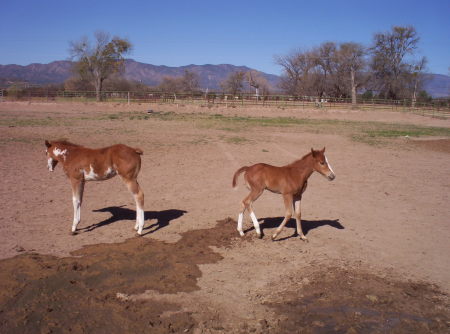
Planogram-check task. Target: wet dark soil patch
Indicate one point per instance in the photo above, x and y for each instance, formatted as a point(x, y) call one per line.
point(351, 301)
point(46, 294)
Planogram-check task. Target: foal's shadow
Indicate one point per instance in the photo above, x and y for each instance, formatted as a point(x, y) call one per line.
point(163, 218)
point(307, 225)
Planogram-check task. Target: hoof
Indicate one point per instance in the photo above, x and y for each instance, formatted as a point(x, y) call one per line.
point(73, 233)
point(241, 233)
point(260, 236)
point(303, 238)
point(274, 237)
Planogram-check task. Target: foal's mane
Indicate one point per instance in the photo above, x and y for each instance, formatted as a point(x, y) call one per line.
point(296, 162)
point(66, 143)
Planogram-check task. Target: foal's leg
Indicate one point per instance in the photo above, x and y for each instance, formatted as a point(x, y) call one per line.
point(240, 221)
point(138, 195)
point(247, 204)
point(298, 217)
point(77, 198)
point(288, 198)
point(253, 196)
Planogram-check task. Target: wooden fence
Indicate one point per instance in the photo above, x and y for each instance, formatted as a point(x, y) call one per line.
point(436, 108)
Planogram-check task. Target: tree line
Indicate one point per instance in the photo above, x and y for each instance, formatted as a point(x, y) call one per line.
point(389, 68)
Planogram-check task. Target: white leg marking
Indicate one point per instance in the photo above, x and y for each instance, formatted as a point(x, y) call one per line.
point(240, 224)
point(139, 220)
point(255, 223)
point(139, 216)
point(76, 212)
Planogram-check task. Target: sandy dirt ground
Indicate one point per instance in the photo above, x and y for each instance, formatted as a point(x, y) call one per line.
point(377, 260)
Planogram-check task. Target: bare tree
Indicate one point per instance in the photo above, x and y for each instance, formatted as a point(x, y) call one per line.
point(296, 70)
point(75, 83)
point(234, 83)
point(417, 72)
point(189, 82)
point(351, 59)
point(170, 84)
point(258, 82)
point(324, 58)
point(389, 63)
point(96, 62)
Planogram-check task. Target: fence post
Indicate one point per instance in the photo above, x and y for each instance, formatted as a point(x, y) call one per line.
point(128, 98)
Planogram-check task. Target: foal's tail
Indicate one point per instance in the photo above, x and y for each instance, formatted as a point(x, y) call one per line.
point(236, 175)
point(138, 151)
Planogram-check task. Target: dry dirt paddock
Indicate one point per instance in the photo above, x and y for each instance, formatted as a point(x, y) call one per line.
point(377, 260)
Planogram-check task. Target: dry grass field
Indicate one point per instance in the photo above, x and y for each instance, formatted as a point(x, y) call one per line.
point(377, 260)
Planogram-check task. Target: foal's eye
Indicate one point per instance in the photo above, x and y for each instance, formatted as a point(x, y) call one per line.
point(322, 163)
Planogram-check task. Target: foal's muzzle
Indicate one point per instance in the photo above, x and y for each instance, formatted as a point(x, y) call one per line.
point(51, 164)
point(331, 176)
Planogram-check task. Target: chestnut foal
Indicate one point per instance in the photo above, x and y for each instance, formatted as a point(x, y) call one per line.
point(85, 164)
point(290, 181)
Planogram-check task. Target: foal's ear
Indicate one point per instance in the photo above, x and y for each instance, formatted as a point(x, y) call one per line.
point(47, 144)
point(313, 152)
point(323, 150)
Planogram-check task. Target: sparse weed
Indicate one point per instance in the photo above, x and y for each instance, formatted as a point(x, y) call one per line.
point(236, 140)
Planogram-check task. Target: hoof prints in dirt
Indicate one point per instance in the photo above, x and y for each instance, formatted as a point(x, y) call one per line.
point(42, 293)
point(351, 301)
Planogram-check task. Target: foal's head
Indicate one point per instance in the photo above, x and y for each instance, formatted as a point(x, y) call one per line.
point(321, 164)
point(54, 154)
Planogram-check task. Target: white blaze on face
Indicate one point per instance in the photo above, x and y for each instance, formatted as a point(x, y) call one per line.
point(90, 175)
point(329, 167)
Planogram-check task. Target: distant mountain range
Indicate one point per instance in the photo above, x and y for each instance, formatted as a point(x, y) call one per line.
point(437, 85)
point(58, 71)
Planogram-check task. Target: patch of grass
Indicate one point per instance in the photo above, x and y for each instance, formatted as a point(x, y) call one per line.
point(12, 122)
point(199, 141)
point(5, 141)
point(166, 116)
point(230, 129)
point(374, 133)
point(368, 132)
point(138, 117)
point(236, 140)
point(410, 131)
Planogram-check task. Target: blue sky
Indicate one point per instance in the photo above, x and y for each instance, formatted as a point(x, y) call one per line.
point(251, 33)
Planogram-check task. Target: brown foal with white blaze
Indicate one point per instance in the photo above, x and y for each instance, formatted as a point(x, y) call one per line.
point(85, 164)
point(290, 181)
